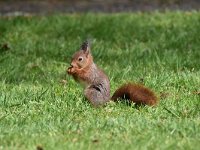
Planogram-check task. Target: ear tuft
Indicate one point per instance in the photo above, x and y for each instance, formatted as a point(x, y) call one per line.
point(85, 47)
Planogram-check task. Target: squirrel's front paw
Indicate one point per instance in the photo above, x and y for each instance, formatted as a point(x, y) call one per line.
point(71, 70)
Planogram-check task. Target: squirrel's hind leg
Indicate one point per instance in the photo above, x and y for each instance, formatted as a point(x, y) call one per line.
point(95, 97)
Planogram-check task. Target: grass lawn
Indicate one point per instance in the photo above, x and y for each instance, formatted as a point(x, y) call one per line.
point(40, 106)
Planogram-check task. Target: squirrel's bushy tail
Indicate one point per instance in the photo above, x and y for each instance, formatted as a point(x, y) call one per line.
point(136, 93)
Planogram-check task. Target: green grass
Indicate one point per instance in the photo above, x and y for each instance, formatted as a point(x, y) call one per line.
point(36, 109)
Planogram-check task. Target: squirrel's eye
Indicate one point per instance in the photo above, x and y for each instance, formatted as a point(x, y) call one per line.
point(80, 59)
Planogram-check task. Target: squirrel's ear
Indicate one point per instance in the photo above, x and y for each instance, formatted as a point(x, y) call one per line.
point(85, 47)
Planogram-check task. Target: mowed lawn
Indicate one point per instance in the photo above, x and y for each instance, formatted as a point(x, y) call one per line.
point(42, 107)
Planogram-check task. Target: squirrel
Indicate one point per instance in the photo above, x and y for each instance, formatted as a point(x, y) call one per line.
point(97, 85)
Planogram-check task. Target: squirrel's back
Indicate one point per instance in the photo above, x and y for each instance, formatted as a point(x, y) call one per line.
point(136, 93)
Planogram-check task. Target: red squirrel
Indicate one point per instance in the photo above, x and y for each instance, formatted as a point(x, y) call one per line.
point(97, 85)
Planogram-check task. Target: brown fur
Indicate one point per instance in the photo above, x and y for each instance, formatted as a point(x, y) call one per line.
point(81, 70)
point(136, 93)
point(97, 85)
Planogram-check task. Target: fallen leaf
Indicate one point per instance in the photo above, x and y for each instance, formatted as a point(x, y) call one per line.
point(196, 92)
point(4, 47)
point(39, 147)
point(95, 140)
point(64, 82)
